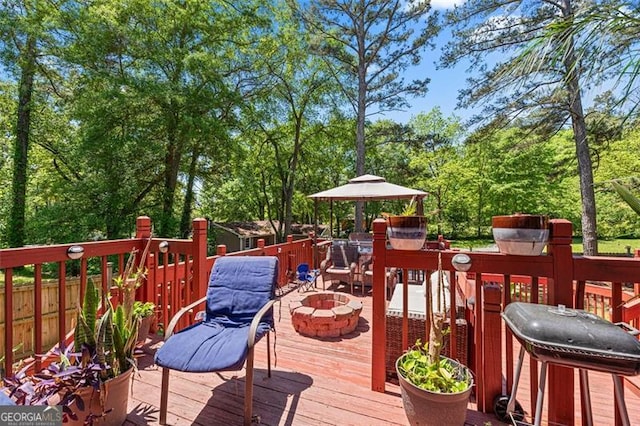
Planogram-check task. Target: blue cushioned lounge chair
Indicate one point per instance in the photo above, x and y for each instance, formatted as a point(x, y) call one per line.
point(239, 312)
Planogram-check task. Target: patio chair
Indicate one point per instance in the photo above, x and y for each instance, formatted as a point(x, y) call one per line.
point(340, 265)
point(306, 277)
point(367, 277)
point(238, 313)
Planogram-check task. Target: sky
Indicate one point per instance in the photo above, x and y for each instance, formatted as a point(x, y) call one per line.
point(444, 86)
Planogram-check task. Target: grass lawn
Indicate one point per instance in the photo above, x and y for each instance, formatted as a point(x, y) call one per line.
point(609, 246)
point(617, 246)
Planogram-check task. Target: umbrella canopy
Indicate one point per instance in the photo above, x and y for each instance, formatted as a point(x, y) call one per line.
point(367, 188)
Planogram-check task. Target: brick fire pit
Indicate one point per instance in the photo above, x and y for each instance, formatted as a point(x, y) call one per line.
point(325, 314)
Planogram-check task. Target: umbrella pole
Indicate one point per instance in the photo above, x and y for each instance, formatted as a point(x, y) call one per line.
point(315, 234)
point(331, 220)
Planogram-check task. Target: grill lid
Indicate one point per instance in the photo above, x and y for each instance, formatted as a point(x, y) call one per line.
point(571, 331)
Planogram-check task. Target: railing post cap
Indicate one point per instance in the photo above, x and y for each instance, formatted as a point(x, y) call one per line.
point(199, 223)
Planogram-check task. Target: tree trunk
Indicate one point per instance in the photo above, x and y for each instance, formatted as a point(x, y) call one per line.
point(171, 167)
point(16, 232)
point(361, 115)
point(185, 220)
point(585, 167)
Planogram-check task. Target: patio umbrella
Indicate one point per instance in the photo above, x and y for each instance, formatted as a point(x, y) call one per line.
point(365, 188)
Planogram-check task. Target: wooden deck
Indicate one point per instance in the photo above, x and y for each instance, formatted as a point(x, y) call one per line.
point(314, 382)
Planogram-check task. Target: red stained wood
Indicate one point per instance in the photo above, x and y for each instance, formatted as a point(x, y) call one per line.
point(318, 382)
point(314, 382)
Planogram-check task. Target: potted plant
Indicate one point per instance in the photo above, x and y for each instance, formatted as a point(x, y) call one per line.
point(144, 312)
point(408, 230)
point(521, 234)
point(91, 378)
point(435, 389)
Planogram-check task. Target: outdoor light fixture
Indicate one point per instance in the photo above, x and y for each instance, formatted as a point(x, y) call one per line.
point(461, 262)
point(75, 252)
point(163, 246)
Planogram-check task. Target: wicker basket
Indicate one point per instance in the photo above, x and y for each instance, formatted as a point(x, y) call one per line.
point(417, 331)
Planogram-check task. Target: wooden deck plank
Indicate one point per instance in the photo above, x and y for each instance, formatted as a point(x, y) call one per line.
point(316, 382)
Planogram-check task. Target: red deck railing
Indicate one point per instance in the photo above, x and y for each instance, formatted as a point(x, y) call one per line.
point(178, 272)
point(558, 277)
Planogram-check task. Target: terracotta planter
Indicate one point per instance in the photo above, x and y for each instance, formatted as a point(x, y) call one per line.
point(143, 329)
point(426, 408)
point(116, 394)
point(521, 234)
point(407, 232)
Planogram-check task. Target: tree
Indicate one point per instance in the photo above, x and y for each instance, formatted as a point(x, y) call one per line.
point(541, 77)
point(24, 48)
point(367, 45)
point(292, 97)
point(436, 141)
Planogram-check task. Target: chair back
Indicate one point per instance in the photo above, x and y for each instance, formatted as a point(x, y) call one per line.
point(343, 255)
point(303, 271)
point(240, 285)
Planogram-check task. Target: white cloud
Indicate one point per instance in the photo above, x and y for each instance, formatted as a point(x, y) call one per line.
point(446, 4)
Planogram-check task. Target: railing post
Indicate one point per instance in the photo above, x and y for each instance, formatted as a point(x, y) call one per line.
point(379, 337)
point(143, 231)
point(221, 250)
point(200, 257)
point(636, 286)
point(560, 382)
point(143, 227)
point(491, 352)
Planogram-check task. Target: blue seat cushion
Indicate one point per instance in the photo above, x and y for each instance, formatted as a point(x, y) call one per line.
point(5, 400)
point(239, 286)
point(208, 346)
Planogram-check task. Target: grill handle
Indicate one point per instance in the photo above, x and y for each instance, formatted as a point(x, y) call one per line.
point(628, 328)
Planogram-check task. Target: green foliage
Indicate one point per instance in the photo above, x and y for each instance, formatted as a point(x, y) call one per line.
point(441, 376)
point(143, 309)
point(86, 318)
point(627, 196)
point(138, 107)
point(111, 337)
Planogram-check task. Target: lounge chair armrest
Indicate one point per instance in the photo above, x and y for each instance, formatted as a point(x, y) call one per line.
point(353, 267)
point(180, 314)
point(253, 328)
point(325, 264)
point(367, 264)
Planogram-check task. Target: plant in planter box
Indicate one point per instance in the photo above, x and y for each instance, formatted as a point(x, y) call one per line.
point(407, 231)
point(91, 378)
point(435, 389)
point(144, 312)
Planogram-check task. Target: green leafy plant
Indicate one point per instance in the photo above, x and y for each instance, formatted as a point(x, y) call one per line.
point(103, 348)
point(112, 336)
point(440, 376)
point(143, 309)
point(422, 365)
point(410, 208)
point(627, 196)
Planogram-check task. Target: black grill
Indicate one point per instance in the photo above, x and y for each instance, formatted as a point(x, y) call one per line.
point(572, 338)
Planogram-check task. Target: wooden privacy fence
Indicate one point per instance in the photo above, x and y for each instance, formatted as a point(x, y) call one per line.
point(24, 313)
